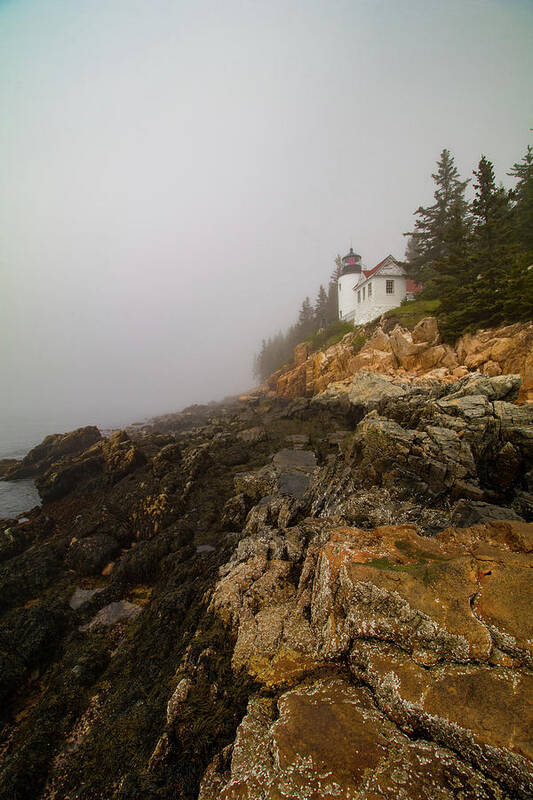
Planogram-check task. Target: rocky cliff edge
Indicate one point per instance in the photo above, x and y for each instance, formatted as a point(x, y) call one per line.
point(316, 597)
point(410, 354)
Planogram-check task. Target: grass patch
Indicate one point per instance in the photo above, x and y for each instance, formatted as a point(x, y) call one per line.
point(326, 337)
point(412, 312)
point(358, 343)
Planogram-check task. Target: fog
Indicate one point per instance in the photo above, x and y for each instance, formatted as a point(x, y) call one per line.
point(177, 176)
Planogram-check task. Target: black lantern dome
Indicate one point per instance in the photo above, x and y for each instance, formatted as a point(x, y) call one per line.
point(351, 263)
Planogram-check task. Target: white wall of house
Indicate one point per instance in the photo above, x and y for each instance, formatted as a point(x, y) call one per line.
point(379, 301)
point(362, 300)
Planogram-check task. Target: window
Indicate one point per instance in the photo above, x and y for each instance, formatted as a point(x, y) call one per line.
point(359, 296)
point(390, 287)
point(363, 292)
point(369, 290)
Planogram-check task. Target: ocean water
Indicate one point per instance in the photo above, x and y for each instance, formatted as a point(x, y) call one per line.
point(18, 435)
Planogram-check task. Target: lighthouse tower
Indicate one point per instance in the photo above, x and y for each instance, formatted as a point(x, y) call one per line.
point(351, 272)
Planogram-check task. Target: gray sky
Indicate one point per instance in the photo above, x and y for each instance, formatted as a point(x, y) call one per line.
point(177, 176)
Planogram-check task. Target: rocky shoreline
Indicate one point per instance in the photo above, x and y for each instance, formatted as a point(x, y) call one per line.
point(319, 595)
point(388, 348)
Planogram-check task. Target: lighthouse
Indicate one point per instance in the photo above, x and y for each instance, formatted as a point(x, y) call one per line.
point(351, 272)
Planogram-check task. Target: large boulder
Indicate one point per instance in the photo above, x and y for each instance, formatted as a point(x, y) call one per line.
point(365, 392)
point(290, 474)
point(107, 461)
point(413, 462)
point(54, 448)
point(427, 330)
point(326, 738)
point(405, 349)
point(88, 556)
point(507, 349)
point(439, 630)
point(471, 512)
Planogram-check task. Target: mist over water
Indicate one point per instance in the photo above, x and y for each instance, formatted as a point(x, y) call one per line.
point(177, 177)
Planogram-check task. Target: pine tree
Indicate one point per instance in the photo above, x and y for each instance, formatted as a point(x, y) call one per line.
point(454, 275)
point(518, 303)
point(427, 242)
point(333, 302)
point(523, 198)
point(337, 272)
point(321, 308)
point(306, 319)
point(333, 294)
point(493, 250)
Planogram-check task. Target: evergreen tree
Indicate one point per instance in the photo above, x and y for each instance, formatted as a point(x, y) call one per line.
point(306, 319)
point(321, 308)
point(523, 198)
point(333, 292)
point(333, 302)
point(518, 303)
point(427, 242)
point(454, 275)
point(337, 272)
point(493, 250)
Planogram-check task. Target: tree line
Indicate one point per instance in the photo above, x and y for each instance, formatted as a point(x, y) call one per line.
point(277, 350)
point(476, 257)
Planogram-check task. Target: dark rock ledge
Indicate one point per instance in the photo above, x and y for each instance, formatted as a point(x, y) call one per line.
point(266, 599)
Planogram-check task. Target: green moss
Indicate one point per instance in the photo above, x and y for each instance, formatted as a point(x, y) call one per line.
point(410, 313)
point(326, 337)
point(425, 571)
point(358, 343)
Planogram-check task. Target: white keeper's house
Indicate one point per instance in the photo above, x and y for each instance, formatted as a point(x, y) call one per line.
point(365, 294)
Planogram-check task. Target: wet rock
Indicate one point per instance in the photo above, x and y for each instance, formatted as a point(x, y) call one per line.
point(167, 458)
point(382, 652)
point(502, 387)
point(416, 462)
point(255, 434)
point(298, 440)
point(257, 484)
point(120, 611)
point(290, 474)
point(88, 556)
point(52, 449)
point(470, 512)
point(82, 596)
point(234, 513)
point(364, 393)
point(64, 477)
point(108, 461)
point(7, 464)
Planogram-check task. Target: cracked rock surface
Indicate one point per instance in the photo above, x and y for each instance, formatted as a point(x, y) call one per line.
point(268, 599)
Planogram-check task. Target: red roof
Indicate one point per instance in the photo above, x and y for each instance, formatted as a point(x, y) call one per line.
point(368, 272)
point(412, 287)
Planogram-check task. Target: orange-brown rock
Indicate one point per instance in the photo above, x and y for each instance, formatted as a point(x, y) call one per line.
point(506, 350)
point(438, 628)
point(326, 739)
point(509, 347)
point(301, 353)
